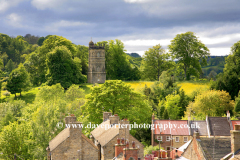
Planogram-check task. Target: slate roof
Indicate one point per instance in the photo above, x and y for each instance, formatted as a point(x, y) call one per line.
point(179, 127)
point(222, 147)
point(222, 126)
point(200, 126)
point(62, 136)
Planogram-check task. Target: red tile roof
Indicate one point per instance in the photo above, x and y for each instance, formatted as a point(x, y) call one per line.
point(234, 123)
point(173, 127)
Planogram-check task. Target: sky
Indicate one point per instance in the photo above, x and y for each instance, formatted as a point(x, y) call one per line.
point(139, 24)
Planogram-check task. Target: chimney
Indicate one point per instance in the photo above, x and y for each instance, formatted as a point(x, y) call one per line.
point(119, 147)
point(70, 119)
point(114, 119)
point(106, 115)
point(133, 144)
point(196, 135)
point(124, 128)
point(235, 139)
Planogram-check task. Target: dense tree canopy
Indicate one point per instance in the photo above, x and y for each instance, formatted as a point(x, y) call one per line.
point(118, 66)
point(62, 68)
point(189, 51)
point(116, 97)
point(155, 60)
point(212, 103)
point(36, 62)
point(229, 81)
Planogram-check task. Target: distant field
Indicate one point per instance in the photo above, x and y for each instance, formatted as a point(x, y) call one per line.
point(191, 86)
point(136, 85)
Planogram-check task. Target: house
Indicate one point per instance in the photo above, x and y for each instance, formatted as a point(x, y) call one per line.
point(235, 144)
point(71, 144)
point(171, 133)
point(207, 148)
point(107, 133)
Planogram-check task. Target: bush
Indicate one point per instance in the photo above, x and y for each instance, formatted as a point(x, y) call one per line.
point(6, 93)
point(149, 149)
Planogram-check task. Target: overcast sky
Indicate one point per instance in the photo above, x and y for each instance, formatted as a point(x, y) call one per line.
point(139, 24)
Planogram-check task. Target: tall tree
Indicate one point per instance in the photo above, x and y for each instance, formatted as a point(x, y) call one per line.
point(63, 69)
point(18, 80)
point(82, 54)
point(118, 66)
point(36, 62)
point(229, 81)
point(9, 66)
point(155, 60)
point(212, 103)
point(117, 97)
point(189, 51)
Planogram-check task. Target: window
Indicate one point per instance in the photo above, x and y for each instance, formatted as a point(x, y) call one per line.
point(159, 138)
point(168, 148)
point(177, 139)
point(185, 139)
point(168, 138)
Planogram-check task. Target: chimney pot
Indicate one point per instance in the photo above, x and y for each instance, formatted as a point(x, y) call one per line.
point(127, 144)
point(133, 144)
point(118, 140)
point(122, 141)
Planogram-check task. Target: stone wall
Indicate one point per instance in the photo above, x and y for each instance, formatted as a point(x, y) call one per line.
point(89, 150)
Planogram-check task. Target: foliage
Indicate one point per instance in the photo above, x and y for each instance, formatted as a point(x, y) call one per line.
point(172, 107)
point(212, 103)
point(18, 80)
point(237, 104)
point(189, 51)
point(9, 66)
point(74, 92)
point(82, 54)
point(15, 139)
point(62, 68)
point(155, 60)
point(118, 98)
point(36, 62)
point(229, 81)
point(149, 149)
point(118, 66)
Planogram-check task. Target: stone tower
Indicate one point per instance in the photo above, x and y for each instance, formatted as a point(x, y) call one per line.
point(96, 64)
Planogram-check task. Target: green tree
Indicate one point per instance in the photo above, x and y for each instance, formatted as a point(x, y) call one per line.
point(165, 114)
point(74, 92)
point(118, 66)
point(82, 54)
point(183, 103)
point(229, 81)
point(117, 97)
point(212, 103)
point(172, 107)
point(15, 139)
point(190, 52)
point(36, 64)
point(237, 104)
point(9, 66)
point(63, 69)
point(155, 60)
point(40, 41)
point(18, 80)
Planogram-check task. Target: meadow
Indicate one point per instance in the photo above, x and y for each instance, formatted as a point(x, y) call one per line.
point(187, 86)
